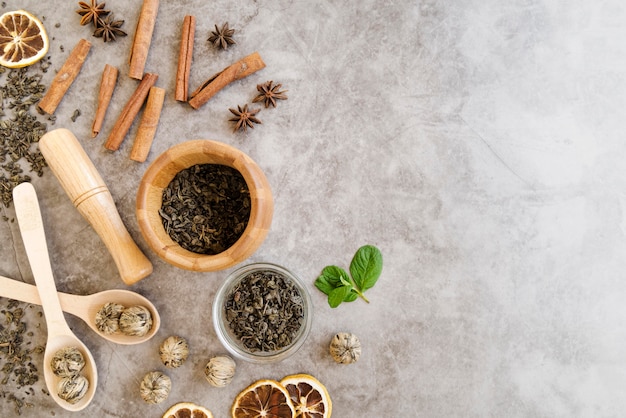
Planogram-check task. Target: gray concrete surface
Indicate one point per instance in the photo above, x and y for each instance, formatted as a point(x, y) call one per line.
point(478, 144)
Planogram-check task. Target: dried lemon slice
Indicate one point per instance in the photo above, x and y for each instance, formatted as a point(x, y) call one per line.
point(309, 396)
point(23, 39)
point(187, 410)
point(263, 398)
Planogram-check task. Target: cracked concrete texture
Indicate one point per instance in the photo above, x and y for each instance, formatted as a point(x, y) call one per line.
point(477, 144)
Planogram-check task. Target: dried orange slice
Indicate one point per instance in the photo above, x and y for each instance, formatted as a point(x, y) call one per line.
point(187, 410)
point(309, 396)
point(264, 398)
point(23, 39)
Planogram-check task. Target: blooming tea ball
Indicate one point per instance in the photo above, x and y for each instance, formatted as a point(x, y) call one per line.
point(345, 348)
point(220, 370)
point(73, 389)
point(155, 387)
point(174, 351)
point(135, 321)
point(67, 362)
point(108, 317)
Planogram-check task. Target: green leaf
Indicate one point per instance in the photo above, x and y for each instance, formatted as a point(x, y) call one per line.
point(336, 276)
point(337, 295)
point(366, 267)
point(351, 297)
point(322, 284)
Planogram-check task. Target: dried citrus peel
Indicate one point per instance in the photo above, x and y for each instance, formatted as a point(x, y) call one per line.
point(23, 39)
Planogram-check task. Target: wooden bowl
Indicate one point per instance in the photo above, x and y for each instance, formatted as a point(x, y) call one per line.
point(184, 155)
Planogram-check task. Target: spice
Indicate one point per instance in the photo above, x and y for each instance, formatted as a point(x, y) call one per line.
point(91, 13)
point(65, 77)
point(67, 362)
point(130, 112)
point(265, 311)
point(143, 38)
point(108, 317)
point(107, 86)
point(155, 387)
point(242, 68)
point(109, 29)
point(148, 125)
point(206, 208)
point(222, 37)
point(135, 321)
point(244, 118)
point(174, 351)
point(345, 348)
point(72, 389)
point(185, 55)
point(269, 93)
point(219, 371)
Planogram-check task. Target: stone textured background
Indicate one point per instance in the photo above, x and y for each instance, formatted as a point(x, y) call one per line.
point(478, 144)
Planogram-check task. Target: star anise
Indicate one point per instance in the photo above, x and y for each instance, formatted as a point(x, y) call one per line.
point(108, 29)
point(222, 37)
point(91, 13)
point(244, 117)
point(269, 93)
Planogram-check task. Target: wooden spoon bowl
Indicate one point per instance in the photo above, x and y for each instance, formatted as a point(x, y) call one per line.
point(163, 170)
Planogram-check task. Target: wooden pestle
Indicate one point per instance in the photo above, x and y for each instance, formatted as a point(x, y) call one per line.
point(81, 181)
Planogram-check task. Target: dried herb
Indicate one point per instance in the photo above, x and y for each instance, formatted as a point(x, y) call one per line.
point(206, 208)
point(265, 310)
point(244, 117)
point(223, 37)
point(20, 130)
point(109, 29)
point(91, 12)
point(17, 356)
point(365, 268)
point(269, 93)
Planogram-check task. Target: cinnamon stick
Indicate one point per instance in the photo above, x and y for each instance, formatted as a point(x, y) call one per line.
point(143, 38)
point(107, 86)
point(236, 71)
point(148, 125)
point(65, 77)
point(130, 111)
point(184, 59)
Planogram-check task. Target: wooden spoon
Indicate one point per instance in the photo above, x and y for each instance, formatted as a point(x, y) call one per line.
point(60, 336)
point(86, 307)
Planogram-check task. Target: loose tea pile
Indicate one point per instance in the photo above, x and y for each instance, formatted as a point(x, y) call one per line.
point(265, 310)
point(17, 356)
point(206, 208)
point(20, 130)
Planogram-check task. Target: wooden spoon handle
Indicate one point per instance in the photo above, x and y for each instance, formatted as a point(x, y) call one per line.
point(81, 181)
point(29, 219)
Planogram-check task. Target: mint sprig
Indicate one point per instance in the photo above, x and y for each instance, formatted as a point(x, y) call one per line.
point(365, 269)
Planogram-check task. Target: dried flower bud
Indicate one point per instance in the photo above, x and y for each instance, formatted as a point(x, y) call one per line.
point(108, 317)
point(220, 370)
point(67, 362)
point(345, 348)
point(73, 389)
point(135, 321)
point(155, 387)
point(174, 351)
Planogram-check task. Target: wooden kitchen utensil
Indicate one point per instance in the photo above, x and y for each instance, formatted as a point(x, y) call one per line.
point(81, 181)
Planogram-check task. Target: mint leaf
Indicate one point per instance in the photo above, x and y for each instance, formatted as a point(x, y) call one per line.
point(322, 284)
point(365, 269)
point(366, 266)
point(336, 276)
point(351, 297)
point(337, 295)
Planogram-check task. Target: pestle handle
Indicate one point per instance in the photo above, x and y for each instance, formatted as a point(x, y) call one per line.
point(83, 184)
